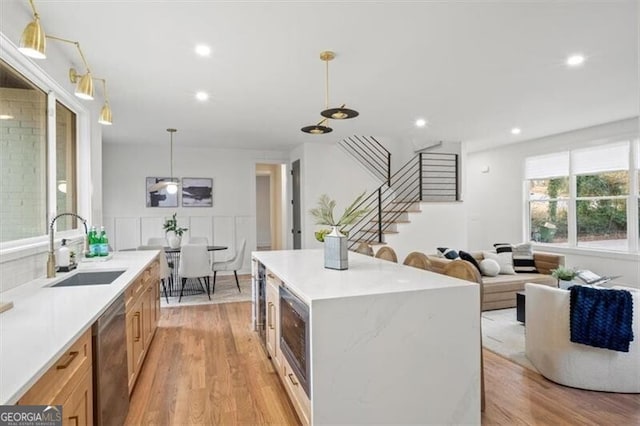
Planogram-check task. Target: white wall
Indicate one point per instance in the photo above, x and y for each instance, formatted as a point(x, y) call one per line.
point(495, 199)
point(437, 225)
point(232, 218)
point(326, 169)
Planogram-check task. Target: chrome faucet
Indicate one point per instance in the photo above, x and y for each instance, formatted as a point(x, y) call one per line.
point(51, 259)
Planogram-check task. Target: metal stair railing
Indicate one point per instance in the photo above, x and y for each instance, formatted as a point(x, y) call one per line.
point(386, 204)
point(371, 154)
point(425, 177)
point(439, 176)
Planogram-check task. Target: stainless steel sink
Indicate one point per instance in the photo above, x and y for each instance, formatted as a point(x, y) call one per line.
point(89, 278)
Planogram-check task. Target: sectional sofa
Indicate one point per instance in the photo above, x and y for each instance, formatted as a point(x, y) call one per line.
point(500, 291)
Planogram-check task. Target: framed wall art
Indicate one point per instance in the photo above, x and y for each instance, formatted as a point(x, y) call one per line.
point(197, 192)
point(158, 196)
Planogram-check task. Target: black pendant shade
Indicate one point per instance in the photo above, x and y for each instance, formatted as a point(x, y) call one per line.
point(341, 113)
point(317, 129)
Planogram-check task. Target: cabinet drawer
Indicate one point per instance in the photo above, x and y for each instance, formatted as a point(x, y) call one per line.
point(73, 364)
point(298, 397)
point(133, 292)
point(273, 279)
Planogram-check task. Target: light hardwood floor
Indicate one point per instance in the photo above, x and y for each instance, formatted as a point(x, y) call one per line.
point(206, 366)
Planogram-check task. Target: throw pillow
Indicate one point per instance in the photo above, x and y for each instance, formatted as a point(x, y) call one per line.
point(523, 258)
point(467, 256)
point(448, 253)
point(489, 267)
point(503, 247)
point(504, 260)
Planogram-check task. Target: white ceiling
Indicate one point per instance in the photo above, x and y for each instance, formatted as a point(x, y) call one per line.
point(474, 70)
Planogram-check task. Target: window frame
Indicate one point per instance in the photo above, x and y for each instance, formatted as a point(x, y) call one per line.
point(55, 92)
point(632, 201)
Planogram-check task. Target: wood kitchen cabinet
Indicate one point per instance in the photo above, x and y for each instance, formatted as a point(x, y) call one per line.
point(273, 317)
point(296, 393)
point(68, 383)
point(142, 303)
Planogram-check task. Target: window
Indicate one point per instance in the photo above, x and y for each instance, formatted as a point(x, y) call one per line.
point(602, 192)
point(25, 151)
point(23, 157)
point(582, 198)
point(66, 200)
point(548, 197)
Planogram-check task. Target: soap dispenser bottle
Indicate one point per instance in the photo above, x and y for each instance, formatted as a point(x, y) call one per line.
point(63, 255)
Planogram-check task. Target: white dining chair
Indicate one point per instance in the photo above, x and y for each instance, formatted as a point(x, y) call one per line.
point(165, 271)
point(157, 241)
point(194, 263)
point(232, 264)
point(198, 240)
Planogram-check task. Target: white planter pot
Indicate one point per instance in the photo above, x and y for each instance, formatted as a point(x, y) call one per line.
point(174, 240)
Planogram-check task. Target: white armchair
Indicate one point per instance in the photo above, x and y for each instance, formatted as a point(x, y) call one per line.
point(548, 346)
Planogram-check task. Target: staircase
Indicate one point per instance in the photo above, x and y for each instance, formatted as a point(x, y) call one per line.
point(425, 177)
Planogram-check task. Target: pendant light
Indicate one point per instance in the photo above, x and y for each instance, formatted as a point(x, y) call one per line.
point(318, 129)
point(171, 186)
point(340, 113)
point(321, 128)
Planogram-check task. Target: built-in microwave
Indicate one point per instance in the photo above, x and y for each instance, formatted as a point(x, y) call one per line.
point(294, 335)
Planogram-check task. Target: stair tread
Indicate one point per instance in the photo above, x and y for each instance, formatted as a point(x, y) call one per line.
point(391, 221)
point(402, 211)
point(375, 230)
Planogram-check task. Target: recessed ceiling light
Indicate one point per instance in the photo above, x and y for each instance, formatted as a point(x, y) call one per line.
point(515, 131)
point(203, 50)
point(6, 117)
point(421, 122)
point(202, 96)
point(575, 60)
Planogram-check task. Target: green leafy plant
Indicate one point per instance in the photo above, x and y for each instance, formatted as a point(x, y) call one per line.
point(171, 224)
point(564, 274)
point(323, 214)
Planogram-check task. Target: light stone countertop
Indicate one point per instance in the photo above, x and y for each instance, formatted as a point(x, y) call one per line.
point(46, 321)
point(304, 273)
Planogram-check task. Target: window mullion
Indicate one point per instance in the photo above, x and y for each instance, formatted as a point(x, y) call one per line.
point(51, 159)
point(572, 220)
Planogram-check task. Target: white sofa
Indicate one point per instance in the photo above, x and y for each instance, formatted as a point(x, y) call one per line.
point(548, 346)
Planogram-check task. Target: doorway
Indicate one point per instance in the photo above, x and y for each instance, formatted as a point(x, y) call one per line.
point(270, 211)
point(295, 203)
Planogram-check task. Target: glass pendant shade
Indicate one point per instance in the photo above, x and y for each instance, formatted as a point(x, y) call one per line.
point(172, 188)
point(105, 115)
point(33, 42)
point(84, 89)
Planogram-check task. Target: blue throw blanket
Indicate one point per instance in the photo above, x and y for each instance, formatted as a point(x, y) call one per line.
point(601, 318)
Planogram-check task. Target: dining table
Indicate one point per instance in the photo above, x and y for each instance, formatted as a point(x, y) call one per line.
point(192, 286)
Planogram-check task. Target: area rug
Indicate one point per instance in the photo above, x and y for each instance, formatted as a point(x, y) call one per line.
point(504, 335)
point(226, 292)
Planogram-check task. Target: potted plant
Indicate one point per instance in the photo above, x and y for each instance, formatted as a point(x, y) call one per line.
point(323, 214)
point(335, 241)
point(171, 225)
point(563, 275)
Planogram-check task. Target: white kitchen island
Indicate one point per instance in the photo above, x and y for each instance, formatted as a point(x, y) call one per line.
point(388, 343)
